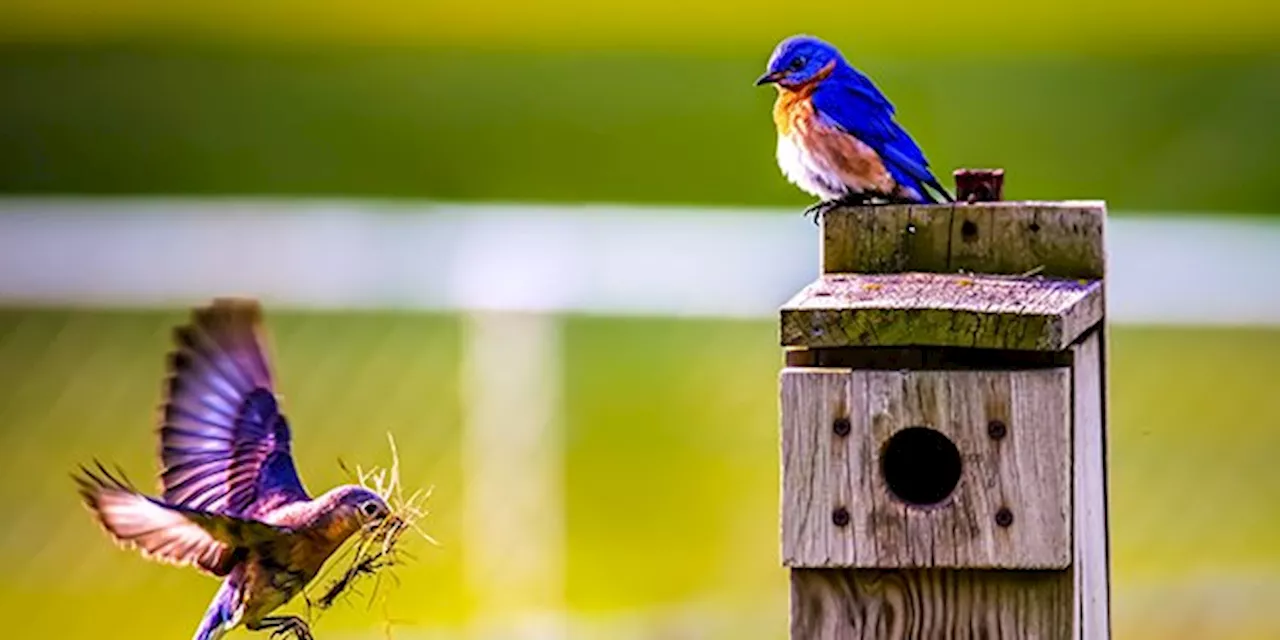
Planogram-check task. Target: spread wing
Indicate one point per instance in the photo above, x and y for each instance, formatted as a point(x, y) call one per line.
point(853, 103)
point(172, 535)
point(223, 442)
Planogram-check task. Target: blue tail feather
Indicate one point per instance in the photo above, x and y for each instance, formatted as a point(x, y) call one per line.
point(221, 614)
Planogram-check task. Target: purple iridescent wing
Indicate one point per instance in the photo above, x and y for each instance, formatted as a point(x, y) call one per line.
point(224, 443)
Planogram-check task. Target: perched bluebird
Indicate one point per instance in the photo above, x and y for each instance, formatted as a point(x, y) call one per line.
point(837, 138)
point(232, 503)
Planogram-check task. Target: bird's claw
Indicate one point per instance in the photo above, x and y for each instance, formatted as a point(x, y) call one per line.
point(819, 209)
point(294, 627)
point(816, 210)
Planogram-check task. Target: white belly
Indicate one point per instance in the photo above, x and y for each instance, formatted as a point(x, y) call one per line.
point(807, 172)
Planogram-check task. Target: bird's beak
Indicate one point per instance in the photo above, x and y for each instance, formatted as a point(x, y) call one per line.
point(769, 78)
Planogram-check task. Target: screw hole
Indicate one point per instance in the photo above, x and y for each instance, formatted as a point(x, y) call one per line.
point(997, 429)
point(969, 230)
point(1004, 517)
point(840, 517)
point(842, 427)
point(921, 466)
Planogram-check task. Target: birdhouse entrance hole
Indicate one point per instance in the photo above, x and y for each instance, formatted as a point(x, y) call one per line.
point(921, 466)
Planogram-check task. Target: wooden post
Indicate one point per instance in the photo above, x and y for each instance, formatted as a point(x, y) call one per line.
point(944, 425)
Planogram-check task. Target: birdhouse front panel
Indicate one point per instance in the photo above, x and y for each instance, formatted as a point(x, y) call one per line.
point(896, 468)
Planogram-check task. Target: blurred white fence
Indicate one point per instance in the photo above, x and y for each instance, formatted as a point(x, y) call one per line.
point(605, 259)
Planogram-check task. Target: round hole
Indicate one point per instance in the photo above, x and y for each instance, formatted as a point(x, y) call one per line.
point(969, 230)
point(840, 517)
point(997, 429)
point(1004, 517)
point(842, 427)
point(921, 466)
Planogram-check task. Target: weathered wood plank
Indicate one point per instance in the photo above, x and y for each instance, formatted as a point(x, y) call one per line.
point(1025, 471)
point(886, 239)
point(930, 309)
point(816, 462)
point(1061, 239)
point(1091, 561)
point(924, 604)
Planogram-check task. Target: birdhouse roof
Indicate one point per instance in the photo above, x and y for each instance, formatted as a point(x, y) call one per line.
point(984, 311)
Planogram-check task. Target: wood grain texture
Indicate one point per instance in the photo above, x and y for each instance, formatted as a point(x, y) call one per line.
point(818, 462)
point(1062, 239)
point(1027, 471)
point(927, 604)
point(930, 309)
point(1091, 548)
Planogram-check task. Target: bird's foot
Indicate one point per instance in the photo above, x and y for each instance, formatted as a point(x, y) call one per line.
point(819, 209)
point(815, 210)
point(285, 626)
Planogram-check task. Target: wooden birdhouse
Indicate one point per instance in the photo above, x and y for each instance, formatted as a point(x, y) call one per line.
point(943, 425)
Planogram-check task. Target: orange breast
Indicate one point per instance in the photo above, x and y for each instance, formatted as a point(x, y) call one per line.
point(848, 160)
point(793, 110)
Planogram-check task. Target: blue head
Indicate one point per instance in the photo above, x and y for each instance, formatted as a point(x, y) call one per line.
point(356, 504)
point(799, 60)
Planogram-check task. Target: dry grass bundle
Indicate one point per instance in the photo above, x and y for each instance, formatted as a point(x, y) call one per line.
point(379, 547)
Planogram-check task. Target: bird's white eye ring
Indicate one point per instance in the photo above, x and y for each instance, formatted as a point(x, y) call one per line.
point(370, 508)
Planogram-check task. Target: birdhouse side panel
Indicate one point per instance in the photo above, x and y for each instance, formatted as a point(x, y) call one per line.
point(963, 469)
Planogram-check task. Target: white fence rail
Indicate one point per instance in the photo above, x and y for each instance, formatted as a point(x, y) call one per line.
point(600, 259)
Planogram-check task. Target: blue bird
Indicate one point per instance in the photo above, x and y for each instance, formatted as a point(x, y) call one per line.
point(233, 505)
point(837, 138)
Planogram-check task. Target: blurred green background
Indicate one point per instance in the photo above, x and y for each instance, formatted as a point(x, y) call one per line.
point(671, 424)
point(1152, 105)
point(671, 471)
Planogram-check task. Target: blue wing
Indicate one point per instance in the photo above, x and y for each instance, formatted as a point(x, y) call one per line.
point(224, 443)
point(853, 103)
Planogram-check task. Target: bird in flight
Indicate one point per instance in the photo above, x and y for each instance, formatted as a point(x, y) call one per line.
point(232, 504)
point(837, 139)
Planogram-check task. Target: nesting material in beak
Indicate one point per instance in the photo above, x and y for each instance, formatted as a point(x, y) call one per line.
point(378, 546)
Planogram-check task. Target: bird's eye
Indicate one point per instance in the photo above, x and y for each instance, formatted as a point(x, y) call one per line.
point(370, 509)
point(797, 64)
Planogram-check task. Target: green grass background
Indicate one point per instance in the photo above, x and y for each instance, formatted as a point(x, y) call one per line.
point(1151, 105)
point(1170, 132)
point(671, 435)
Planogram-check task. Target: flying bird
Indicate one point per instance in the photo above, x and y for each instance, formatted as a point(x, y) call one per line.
point(232, 504)
point(837, 138)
